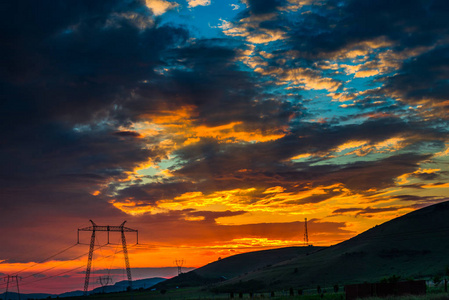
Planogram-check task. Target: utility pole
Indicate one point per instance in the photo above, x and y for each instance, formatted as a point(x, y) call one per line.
point(94, 228)
point(10, 278)
point(179, 263)
point(306, 235)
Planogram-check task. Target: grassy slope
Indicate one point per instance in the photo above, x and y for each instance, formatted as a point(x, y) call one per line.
point(236, 265)
point(415, 245)
point(242, 263)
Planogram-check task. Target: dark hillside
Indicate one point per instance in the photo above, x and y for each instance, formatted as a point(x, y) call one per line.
point(415, 245)
point(237, 265)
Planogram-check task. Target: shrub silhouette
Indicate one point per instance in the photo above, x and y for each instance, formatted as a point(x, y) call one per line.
point(437, 280)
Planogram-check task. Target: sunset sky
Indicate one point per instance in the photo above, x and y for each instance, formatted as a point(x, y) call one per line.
point(214, 127)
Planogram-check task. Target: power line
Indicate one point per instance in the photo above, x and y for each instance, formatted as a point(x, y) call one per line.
point(64, 272)
point(54, 267)
point(113, 258)
point(63, 263)
point(45, 259)
point(52, 276)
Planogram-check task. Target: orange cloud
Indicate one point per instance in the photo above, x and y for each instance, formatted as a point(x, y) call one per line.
point(230, 132)
point(309, 79)
point(250, 29)
point(159, 7)
point(194, 3)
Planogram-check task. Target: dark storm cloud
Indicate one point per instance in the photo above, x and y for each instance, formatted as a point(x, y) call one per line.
point(329, 193)
point(220, 91)
point(420, 199)
point(86, 73)
point(428, 176)
point(345, 210)
point(425, 201)
point(336, 25)
point(69, 69)
point(211, 216)
point(70, 63)
point(213, 166)
point(132, 134)
point(205, 75)
point(365, 211)
point(267, 161)
point(372, 210)
point(217, 166)
point(423, 79)
point(152, 192)
point(264, 7)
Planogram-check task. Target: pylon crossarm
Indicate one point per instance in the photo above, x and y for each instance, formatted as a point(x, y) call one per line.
point(107, 228)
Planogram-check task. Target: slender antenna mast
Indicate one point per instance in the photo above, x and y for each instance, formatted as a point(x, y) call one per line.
point(306, 235)
point(94, 228)
point(179, 263)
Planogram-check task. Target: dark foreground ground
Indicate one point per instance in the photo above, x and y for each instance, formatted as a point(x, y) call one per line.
point(196, 294)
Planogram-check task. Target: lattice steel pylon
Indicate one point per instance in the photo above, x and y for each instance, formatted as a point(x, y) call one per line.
point(104, 281)
point(94, 228)
point(179, 263)
point(10, 278)
point(306, 234)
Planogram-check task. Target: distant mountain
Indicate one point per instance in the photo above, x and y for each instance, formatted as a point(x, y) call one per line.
point(237, 265)
point(123, 285)
point(117, 287)
point(412, 246)
point(15, 296)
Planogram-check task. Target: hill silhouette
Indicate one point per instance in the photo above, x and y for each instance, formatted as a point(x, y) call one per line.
point(412, 246)
point(236, 265)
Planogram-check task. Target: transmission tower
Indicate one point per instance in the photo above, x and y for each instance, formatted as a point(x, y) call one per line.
point(179, 263)
point(108, 229)
point(10, 278)
point(306, 235)
point(104, 281)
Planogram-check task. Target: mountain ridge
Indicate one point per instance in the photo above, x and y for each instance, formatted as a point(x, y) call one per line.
point(410, 246)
